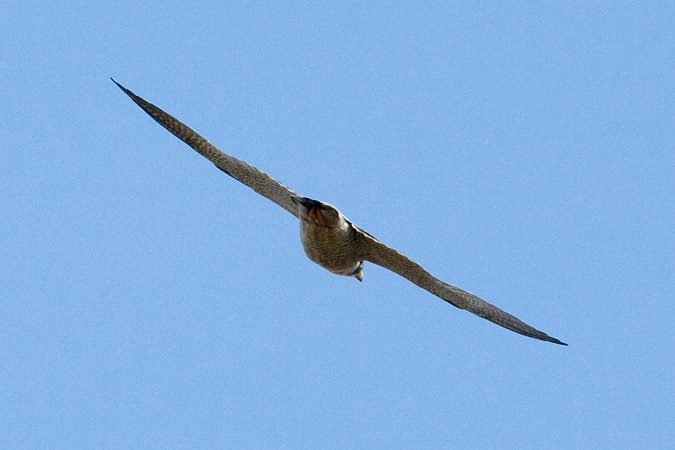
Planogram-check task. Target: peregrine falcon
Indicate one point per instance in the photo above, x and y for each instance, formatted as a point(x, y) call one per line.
point(330, 239)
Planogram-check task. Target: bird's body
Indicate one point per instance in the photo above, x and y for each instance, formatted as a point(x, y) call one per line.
point(328, 238)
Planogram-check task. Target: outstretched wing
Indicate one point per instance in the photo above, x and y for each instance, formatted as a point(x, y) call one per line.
point(376, 252)
point(252, 177)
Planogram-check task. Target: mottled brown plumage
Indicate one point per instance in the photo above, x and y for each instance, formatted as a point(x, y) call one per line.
point(328, 238)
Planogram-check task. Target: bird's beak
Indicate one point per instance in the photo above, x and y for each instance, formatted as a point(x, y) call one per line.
point(358, 274)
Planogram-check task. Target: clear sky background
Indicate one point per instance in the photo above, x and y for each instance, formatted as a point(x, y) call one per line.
point(524, 153)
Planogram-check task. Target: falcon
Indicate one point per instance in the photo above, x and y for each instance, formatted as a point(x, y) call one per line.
point(329, 238)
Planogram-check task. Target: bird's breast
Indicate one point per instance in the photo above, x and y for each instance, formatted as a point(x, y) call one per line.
point(333, 248)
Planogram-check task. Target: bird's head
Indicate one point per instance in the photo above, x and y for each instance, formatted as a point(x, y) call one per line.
point(358, 272)
point(318, 213)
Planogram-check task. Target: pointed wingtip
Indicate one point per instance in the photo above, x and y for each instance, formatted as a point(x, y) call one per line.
point(119, 85)
point(556, 341)
point(131, 95)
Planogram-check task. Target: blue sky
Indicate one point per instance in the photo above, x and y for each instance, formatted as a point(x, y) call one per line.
point(522, 152)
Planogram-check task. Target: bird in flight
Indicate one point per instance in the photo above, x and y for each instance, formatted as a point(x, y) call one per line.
point(328, 238)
